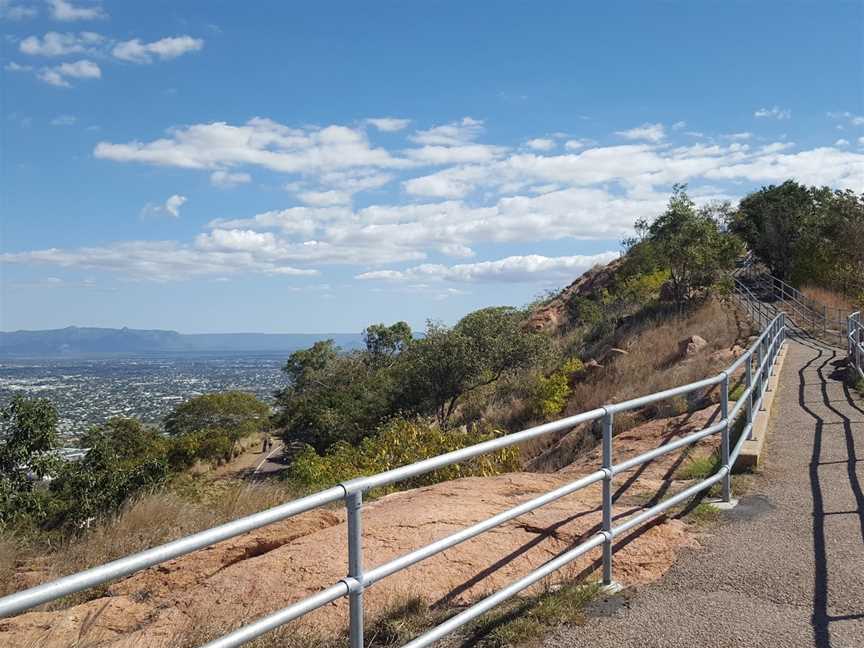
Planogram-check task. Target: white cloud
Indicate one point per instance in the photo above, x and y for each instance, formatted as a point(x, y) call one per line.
point(854, 120)
point(388, 124)
point(57, 44)
point(453, 134)
point(576, 144)
point(775, 113)
point(226, 179)
point(738, 136)
point(12, 11)
point(12, 66)
point(530, 268)
point(170, 207)
point(541, 144)
point(64, 120)
point(648, 132)
point(259, 142)
point(679, 125)
point(861, 141)
point(134, 51)
point(59, 75)
point(66, 11)
point(841, 142)
point(325, 198)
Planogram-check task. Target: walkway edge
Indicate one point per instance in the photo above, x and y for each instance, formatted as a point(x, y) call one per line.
point(751, 451)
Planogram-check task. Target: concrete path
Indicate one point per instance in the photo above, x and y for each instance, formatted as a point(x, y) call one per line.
point(786, 567)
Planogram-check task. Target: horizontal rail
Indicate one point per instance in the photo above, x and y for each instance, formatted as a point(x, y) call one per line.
point(767, 344)
point(15, 603)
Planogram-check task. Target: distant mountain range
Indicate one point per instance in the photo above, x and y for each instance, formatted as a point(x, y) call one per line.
point(84, 340)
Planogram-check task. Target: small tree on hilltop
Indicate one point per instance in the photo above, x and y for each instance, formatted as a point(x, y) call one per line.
point(688, 243)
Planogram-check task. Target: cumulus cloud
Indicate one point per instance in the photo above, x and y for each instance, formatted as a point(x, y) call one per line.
point(134, 51)
point(59, 75)
point(12, 66)
point(170, 207)
point(854, 120)
point(66, 11)
point(841, 142)
point(60, 44)
point(388, 124)
point(540, 144)
point(576, 144)
point(774, 113)
point(648, 132)
point(455, 133)
point(226, 179)
point(259, 142)
point(528, 268)
point(13, 11)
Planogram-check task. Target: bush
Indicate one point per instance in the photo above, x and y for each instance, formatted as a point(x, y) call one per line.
point(553, 391)
point(398, 443)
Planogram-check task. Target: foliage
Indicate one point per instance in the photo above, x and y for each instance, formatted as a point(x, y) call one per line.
point(397, 443)
point(686, 242)
point(806, 234)
point(334, 396)
point(553, 391)
point(437, 371)
point(27, 454)
point(127, 438)
point(238, 413)
point(384, 343)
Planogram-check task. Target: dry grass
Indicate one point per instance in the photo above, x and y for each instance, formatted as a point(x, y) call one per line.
point(829, 298)
point(144, 522)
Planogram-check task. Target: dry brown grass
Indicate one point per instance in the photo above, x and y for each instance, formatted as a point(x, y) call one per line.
point(144, 522)
point(652, 363)
point(830, 298)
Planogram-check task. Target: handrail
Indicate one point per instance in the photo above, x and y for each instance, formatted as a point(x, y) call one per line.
point(855, 343)
point(758, 361)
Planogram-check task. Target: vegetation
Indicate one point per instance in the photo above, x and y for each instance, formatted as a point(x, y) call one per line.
point(806, 234)
point(689, 244)
point(397, 443)
point(38, 491)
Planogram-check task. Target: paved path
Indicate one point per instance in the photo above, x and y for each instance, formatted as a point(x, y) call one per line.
point(786, 569)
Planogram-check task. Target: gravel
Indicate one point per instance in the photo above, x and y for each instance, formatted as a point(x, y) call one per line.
point(785, 567)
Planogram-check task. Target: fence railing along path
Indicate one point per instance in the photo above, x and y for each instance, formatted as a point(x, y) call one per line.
point(754, 366)
point(855, 343)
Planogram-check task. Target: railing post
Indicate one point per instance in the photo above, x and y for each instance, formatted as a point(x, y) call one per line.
point(607, 499)
point(354, 506)
point(750, 393)
point(724, 442)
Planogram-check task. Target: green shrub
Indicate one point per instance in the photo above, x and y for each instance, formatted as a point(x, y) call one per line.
point(397, 443)
point(552, 392)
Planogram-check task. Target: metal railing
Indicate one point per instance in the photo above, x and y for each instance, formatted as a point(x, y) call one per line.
point(817, 318)
point(855, 342)
point(754, 368)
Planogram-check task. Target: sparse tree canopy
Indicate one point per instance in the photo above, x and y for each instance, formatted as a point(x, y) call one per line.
point(384, 343)
point(237, 413)
point(688, 243)
point(439, 369)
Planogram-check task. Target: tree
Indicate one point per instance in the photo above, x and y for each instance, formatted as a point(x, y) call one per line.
point(384, 343)
point(772, 221)
point(238, 413)
point(28, 444)
point(438, 370)
point(688, 243)
point(127, 438)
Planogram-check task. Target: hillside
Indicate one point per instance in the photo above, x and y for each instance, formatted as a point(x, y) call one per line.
point(75, 340)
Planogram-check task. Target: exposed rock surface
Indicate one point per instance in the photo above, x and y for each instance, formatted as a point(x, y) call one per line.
point(692, 345)
point(268, 569)
point(553, 316)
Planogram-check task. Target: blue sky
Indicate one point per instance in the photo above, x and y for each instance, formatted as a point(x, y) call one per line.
point(315, 167)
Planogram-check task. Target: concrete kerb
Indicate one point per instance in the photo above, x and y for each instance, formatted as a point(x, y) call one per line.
point(751, 451)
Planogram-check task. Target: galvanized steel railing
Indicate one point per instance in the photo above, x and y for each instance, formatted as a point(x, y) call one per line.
point(754, 366)
point(855, 342)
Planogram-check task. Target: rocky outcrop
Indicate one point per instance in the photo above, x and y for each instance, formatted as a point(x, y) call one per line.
point(553, 315)
point(215, 589)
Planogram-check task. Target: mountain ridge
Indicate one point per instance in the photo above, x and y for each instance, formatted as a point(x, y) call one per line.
point(86, 340)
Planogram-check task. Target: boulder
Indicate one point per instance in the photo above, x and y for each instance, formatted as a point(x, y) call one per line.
point(691, 346)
